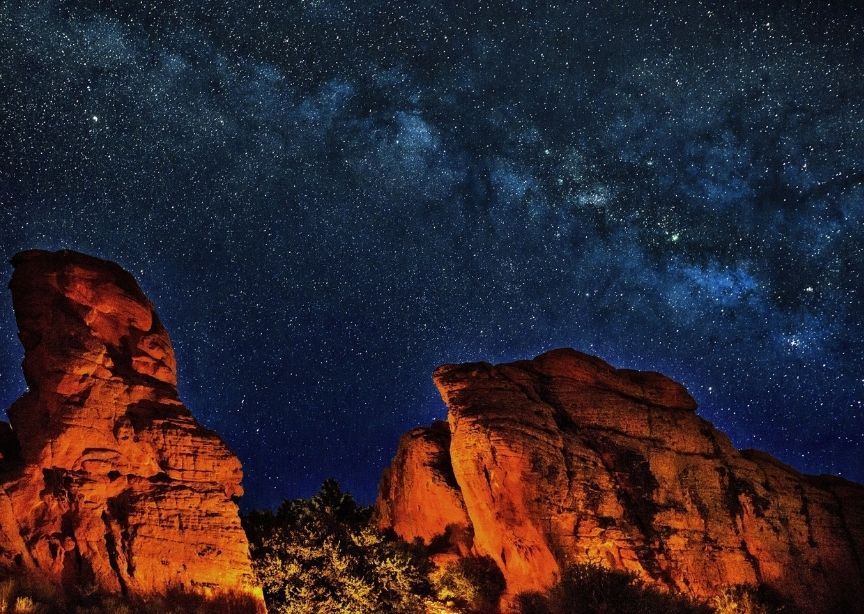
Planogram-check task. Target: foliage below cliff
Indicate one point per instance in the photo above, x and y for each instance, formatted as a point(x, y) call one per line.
point(591, 588)
point(323, 555)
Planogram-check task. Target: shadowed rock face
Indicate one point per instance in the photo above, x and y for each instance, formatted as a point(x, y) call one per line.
point(108, 481)
point(564, 459)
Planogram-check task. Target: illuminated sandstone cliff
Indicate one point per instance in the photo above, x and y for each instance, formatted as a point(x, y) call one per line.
point(108, 482)
point(564, 459)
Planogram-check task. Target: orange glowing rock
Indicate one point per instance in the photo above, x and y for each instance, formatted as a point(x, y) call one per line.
point(419, 494)
point(118, 488)
point(564, 459)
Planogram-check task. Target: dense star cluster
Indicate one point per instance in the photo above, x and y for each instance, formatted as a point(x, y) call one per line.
point(327, 199)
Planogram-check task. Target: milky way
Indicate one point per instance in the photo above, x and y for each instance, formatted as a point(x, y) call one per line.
point(326, 200)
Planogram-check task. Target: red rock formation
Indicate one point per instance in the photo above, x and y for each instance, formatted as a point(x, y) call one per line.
point(564, 459)
point(117, 487)
point(427, 503)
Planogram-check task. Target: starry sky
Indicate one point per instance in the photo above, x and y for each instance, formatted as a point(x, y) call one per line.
point(326, 199)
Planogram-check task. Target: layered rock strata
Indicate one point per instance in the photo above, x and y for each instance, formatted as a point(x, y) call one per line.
point(564, 459)
point(108, 482)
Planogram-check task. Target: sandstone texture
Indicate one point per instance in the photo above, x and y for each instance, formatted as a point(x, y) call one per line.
point(108, 482)
point(565, 459)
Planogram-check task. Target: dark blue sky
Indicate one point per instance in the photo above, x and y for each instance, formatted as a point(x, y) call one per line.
point(326, 200)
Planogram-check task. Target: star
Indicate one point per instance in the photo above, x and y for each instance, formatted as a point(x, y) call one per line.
point(325, 204)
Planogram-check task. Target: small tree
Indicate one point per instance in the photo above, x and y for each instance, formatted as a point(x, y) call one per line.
point(321, 555)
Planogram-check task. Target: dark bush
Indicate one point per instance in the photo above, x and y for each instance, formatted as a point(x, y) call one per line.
point(592, 589)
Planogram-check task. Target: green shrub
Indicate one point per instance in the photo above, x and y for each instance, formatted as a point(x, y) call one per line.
point(322, 555)
point(472, 584)
point(24, 604)
point(745, 599)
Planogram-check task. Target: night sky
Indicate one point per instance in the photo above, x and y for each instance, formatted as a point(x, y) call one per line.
point(325, 200)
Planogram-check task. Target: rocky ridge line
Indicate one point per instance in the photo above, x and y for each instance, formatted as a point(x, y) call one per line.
point(564, 459)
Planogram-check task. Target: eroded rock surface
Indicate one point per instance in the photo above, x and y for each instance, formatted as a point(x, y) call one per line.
point(564, 459)
point(109, 483)
point(425, 503)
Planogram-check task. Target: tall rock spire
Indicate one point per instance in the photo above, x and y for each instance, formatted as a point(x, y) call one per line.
point(114, 485)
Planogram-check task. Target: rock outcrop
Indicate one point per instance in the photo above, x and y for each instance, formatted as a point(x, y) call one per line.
point(564, 459)
point(108, 482)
